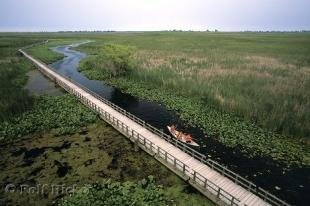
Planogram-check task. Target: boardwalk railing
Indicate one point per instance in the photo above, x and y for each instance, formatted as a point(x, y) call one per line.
point(143, 142)
point(161, 153)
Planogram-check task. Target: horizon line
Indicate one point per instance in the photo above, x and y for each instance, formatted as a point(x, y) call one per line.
point(165, 30)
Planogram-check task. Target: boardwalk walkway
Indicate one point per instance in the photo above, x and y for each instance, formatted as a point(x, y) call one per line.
point(216, 182)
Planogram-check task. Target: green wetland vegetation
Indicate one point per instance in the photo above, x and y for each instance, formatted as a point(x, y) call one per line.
point(61, 114)
point(55, 140)
point(145, 192)
point(246, 90)
point(13, 99)
point(249, 91)
point(72, 159)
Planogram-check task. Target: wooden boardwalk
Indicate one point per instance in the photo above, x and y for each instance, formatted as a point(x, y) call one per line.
point(216, 182)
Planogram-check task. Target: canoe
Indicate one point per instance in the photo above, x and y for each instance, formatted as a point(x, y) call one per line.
point(174, 134)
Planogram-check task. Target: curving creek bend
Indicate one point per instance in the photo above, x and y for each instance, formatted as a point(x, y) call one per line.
point(290, 185)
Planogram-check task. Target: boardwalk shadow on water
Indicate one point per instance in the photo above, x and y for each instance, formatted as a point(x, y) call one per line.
point(289, 184)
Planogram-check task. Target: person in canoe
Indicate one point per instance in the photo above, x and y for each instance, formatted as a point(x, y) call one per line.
point(173, 128)
point(188, 138)
point(180, 136)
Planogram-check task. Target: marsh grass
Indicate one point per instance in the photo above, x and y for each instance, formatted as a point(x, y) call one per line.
point(263, 78)
point(13, 67)
point(262, 90)
point(14, 99)
point(43, 52)
point(248, 90)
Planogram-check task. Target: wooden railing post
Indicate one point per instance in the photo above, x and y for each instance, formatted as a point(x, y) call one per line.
point(205, 183)
point(265, 196)
point(137, 141)
point(218, 192)
point(232, 201)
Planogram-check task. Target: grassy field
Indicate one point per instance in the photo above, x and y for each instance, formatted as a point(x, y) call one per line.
point(13, 67)
point(56, 140)
point(260, 77)
point(245, 89)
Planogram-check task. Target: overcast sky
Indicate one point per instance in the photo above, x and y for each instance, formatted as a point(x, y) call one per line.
point(224, 15)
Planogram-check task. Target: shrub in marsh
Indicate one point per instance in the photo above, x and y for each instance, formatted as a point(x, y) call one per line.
point(112, 61)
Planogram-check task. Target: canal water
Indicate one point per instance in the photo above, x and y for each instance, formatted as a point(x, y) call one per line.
point(290, 185)
point(38, 84)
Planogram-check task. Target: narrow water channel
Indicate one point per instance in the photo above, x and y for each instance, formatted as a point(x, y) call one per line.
point(290, 185)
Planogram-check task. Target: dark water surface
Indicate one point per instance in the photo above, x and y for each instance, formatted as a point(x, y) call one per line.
point(291, 185)
point(38, 84)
